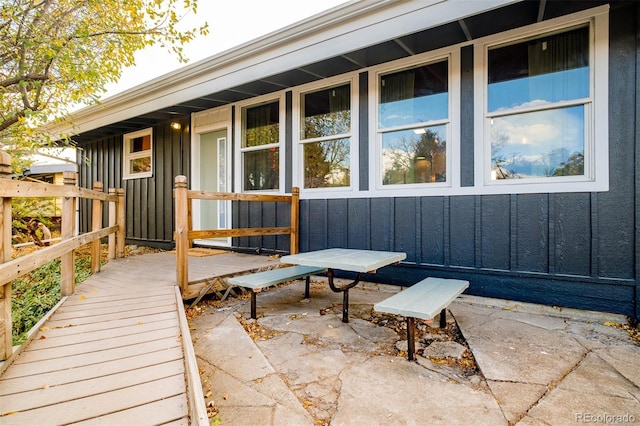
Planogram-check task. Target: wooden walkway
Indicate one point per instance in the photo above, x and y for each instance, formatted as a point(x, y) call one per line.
point(118, 351)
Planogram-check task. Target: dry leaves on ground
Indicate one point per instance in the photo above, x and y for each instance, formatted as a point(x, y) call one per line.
point(632, 327)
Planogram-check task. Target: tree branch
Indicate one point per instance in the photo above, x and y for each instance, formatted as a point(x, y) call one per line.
point(29, 77)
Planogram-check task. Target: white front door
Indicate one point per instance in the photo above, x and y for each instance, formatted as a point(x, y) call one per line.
point(212, 167)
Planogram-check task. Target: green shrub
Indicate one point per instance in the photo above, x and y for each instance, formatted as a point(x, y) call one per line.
point(34, 294)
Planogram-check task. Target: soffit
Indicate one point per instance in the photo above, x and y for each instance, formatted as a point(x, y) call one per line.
point(492, 21)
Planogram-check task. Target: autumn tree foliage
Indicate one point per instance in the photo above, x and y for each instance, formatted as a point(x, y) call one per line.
point(58, 53)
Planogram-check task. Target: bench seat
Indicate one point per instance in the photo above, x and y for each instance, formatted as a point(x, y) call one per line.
point(423, 300)
point(260, 280)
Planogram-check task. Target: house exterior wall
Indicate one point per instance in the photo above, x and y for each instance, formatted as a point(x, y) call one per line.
point(566, 249)
point(571, 249)
point(149, 201)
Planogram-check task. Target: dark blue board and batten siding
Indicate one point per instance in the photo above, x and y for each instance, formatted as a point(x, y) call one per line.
point(247, 214)
point(149, 201)
point(539, 248)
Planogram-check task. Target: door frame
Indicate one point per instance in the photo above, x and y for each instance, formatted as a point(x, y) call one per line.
point(218, 119)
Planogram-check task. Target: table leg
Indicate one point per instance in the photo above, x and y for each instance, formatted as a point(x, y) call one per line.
point(345, 292)
point(253, 305)
point(345, 305)
point(307, 282)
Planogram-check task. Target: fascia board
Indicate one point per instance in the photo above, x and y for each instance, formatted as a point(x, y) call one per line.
point(341, 30)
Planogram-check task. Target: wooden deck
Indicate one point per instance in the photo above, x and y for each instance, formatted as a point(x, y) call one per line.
point(118, 351)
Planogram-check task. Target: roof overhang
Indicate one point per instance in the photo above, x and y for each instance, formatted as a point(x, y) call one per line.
point(352, 36)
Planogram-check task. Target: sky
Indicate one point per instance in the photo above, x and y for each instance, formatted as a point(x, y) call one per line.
point(231, 23)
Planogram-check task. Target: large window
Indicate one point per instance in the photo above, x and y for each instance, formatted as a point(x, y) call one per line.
point(538, 103)
point(260, 147)
point(413, 124)
point(137, 154)
point(544, 108)
point(326, 137)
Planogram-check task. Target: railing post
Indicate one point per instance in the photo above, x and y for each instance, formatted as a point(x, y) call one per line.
point(122, 231)
point(112, 221)
point(96, 225)
point(182, 233)
point(295, 219)
point(6, 345)
point(190, 218)
point(68, 231)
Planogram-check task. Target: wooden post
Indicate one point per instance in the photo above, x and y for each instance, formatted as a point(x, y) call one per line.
point(112, 222)
point(295, 219)
point(121, 215)
point(182, 231)
point(68, 231)
point(96, 225)
point(6, 345)
point(190, 218)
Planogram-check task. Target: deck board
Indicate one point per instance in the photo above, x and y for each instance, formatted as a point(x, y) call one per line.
point(112, 352)
point(74, 390)
point(156, 412)
point(105, 403)
point(141, 347)
point(22, 381)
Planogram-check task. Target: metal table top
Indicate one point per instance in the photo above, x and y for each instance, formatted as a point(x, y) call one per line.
point(346, 259)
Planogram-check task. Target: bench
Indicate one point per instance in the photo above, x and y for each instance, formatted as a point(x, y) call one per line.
point(256, 282)
point(424, 300)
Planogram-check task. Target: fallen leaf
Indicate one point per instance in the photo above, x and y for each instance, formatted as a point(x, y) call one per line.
point(45, 386)
point(82, 297)
point(226, 396)
point(43, 337)
point(208, 394)
point(44, 329)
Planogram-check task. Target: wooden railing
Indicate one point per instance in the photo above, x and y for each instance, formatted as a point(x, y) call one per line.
point(11, 269)
point(184, 235)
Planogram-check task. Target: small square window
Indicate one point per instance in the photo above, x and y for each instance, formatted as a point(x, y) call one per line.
point(137, 154)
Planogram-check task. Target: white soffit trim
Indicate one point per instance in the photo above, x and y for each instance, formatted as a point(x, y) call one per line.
point(351, 26)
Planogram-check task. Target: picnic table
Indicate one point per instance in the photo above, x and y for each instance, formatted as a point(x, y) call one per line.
point(352, 260)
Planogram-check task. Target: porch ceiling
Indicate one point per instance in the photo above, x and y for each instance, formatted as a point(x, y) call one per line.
point(508, 17)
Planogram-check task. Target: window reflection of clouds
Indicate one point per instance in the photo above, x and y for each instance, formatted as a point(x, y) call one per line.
point(417, 110)
point(552, 87)
point(536, 143)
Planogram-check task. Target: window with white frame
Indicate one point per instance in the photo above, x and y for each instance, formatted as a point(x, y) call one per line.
point(326, 133)
point(137, 154)
point(260, 146)
point(413, 128)
point(544, 112)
